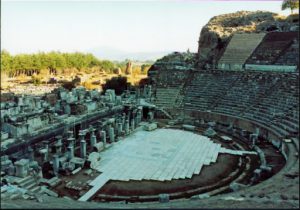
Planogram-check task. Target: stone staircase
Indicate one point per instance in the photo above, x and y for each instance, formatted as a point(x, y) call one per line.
point(29, 183)
point(238, 50)
point(166, 97)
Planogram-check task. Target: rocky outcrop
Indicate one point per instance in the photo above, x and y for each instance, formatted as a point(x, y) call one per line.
point(174, 61)
point(216, 34)
point(177, 60)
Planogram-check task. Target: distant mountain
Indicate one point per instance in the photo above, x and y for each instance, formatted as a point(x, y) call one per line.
point(119, 55)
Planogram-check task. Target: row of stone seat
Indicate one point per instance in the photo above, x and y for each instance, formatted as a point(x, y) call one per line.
point(272, 47)
point(257, 97)
point(205, 89)
point(291, 56)
point(166, 97)
point(268, 98)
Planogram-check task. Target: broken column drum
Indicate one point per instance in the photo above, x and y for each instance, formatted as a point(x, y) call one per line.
point(83, 148)
point(21, 168)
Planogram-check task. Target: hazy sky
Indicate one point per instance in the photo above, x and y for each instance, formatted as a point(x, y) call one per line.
point(131, 26)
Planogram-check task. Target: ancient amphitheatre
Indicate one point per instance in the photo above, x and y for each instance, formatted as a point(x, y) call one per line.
point(217, 128)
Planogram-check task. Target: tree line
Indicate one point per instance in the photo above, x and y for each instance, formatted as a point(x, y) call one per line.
point(53, 61)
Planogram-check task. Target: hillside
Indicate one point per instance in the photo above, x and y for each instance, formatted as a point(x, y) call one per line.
point(216, 34)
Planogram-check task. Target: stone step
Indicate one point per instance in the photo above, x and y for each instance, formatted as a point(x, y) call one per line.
point(35, 189)
point(27, 182)
point(23, 180)
point(31, 186)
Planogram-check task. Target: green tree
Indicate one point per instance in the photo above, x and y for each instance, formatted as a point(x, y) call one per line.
point(107, 66)
point(52, 62)
point(290, 4)
point(6, 61)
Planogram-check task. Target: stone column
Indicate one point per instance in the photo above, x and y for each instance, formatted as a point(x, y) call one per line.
point(108, 126)
point(30, 154)
point(112, 134)
point(137, 120)
point(116, 127)
point(103, 138)
point(127, 127)
point(70, 152)
point(120, 128)
point(81, 136)
point(123, 119)
point(71, 141)
point(132, 124)
point(55, 164)
point(82, 148)
point(93, 139)
point(139, 116)
point(46, 153)
point(58, 146)
point(70, 134)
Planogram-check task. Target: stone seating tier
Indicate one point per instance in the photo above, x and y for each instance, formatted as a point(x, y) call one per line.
point(268, 98)
point(274, 45)
point(240, 48)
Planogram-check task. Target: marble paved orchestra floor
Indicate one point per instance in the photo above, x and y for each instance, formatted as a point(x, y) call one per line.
point(161, 155)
